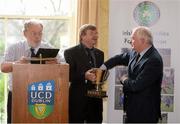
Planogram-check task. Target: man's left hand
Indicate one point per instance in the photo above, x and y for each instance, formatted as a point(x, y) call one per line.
point(51, 61)
point(123, 78)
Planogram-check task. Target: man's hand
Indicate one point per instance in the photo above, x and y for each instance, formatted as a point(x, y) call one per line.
point(7, 67)
point(22, 60)
point(90, 75)
point(123, 78)
point(55, 61)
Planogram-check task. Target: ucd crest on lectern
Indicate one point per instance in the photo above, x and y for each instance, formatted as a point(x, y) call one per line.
point(41, 98)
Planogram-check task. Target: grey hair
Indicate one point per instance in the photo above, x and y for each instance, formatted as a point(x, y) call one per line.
point(145, 33)
point(30, 22)
point(84, 28)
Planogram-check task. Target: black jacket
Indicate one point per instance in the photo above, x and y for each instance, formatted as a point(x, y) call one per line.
point(82, 107)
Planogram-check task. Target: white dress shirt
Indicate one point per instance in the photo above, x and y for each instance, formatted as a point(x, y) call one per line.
point(16, 51)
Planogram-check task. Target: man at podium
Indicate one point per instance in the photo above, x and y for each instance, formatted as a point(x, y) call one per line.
point(81, 58)
point(18, 52)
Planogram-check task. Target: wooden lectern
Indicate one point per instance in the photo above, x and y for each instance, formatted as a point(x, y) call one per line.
point(26, 74)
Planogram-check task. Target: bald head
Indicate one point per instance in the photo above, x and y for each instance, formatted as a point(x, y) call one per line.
point(31, 22)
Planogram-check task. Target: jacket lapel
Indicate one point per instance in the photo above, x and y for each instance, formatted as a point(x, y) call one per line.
point(143, 60)
point(132, 63)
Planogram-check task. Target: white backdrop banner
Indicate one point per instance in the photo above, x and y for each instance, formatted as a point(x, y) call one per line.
point(163, 19)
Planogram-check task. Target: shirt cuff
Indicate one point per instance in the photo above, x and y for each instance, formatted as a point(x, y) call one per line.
point(103, 67)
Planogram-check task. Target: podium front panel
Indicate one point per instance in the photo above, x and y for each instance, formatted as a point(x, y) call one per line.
point(25, 75)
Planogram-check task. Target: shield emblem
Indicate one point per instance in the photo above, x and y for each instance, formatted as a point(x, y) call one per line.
point(41, 98)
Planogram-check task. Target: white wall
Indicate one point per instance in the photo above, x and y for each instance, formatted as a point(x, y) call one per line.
point(121, 20)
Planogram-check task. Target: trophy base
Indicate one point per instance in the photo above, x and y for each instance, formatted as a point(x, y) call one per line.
point(96, 94)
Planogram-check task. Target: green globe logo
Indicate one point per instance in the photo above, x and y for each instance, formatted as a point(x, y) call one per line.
point(146, 13)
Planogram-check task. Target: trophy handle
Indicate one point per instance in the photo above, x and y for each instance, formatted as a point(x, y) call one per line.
point(105, 75)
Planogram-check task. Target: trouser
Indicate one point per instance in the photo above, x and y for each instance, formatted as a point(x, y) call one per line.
point(9, 107)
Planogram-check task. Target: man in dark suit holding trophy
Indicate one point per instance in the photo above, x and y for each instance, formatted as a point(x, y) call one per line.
point(82, 58)
point(142, 85)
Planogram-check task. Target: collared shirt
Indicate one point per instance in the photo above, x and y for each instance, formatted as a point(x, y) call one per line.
point(103, 66)
point(91, 52)
point(16, 51)
point(143, 52)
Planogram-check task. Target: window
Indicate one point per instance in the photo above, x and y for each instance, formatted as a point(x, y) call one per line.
point(58, 17)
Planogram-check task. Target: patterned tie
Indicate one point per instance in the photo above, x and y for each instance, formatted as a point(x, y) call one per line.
point(33, 55)
point(135, 61)
point(137, 58)
point(32, 52)
point(91, 60)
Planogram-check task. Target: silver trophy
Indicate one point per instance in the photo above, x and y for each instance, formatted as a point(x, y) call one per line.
point(101, 76)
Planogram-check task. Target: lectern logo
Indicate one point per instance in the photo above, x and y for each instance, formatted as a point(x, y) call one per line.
point(41, 98)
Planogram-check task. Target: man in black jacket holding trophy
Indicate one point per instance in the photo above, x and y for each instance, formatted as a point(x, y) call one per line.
point(82, 59)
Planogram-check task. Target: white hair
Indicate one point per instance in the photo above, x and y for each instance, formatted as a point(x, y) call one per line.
point(30, 22)
point(143, 32)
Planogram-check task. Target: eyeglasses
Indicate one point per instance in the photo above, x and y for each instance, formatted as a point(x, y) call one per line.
point(36, 34)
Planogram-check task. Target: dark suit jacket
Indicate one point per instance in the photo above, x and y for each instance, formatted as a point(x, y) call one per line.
point(142, 89)
point(82, 107)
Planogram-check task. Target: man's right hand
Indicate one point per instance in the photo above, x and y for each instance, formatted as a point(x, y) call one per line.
point(90, 75)
point(23, 60)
